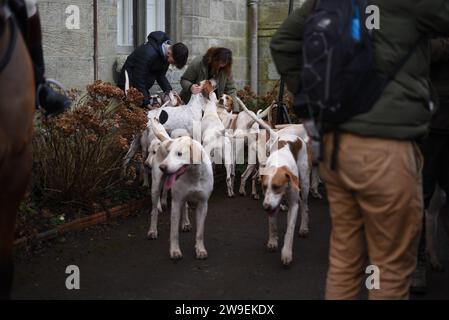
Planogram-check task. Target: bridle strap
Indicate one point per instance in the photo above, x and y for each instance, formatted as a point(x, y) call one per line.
point(12, 40)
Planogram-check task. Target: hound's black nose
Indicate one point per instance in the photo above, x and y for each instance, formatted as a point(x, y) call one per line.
point(163, 167)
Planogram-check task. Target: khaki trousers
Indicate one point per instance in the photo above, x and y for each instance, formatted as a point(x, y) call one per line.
point(376, 207)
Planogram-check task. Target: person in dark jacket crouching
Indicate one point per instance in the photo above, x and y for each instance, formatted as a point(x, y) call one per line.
point(149, 63)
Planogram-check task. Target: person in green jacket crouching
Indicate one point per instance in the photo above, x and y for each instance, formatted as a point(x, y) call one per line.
point(215, 64)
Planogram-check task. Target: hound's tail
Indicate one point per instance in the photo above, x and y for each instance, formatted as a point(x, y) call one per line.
point(257, 118)
point(158, 129)
point(126, 83)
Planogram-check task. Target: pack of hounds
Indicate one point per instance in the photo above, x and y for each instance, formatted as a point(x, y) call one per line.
point(182, 160)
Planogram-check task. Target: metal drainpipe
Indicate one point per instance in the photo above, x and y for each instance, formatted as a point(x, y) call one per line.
point(254, 26)
point(95, 30)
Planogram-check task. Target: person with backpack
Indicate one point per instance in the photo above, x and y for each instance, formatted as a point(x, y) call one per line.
point(149, 63)
point(364, 96)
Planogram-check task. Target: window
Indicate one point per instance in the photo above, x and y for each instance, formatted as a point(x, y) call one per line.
point(125, 25)
point(136, 19)
point(155, 16)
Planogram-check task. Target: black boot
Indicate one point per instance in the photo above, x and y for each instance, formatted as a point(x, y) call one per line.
point(51, 101)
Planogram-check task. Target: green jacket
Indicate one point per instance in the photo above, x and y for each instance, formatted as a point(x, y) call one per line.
point(198, 71)
point(402, 112)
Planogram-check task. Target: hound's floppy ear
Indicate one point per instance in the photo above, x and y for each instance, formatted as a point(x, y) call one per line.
point(294, 181)
point(295, 146)
point(207, 88)
point(178, 99)
point(195, 152)
point(172, 98)
point(230, 105)
point(213, 83)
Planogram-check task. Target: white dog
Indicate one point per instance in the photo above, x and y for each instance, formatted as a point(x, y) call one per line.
point(156, 154)
point(189, 176)
point(216, 143)
point(183, 117)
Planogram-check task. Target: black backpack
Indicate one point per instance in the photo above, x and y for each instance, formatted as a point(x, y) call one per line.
point(339, 77)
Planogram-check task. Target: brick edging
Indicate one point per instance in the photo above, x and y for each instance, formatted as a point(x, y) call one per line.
point(82, 223)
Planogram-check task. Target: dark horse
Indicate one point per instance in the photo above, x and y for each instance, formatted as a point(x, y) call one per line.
point(17, 105)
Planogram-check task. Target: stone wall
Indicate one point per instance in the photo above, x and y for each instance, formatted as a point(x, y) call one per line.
point(211, 23)
point(271, 15)
point(69, 53)
point(200, 24)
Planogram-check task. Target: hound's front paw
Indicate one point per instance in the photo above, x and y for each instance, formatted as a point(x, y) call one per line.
point(286, 258)
point(317, 195)
point(175, 254)
point(256, 196)
point(242, 192)
point(152, 235)
point(284, 207)
point(201, 254)
point(186, 227)
point(303, 233)
point(272, 245)
point(436, 266)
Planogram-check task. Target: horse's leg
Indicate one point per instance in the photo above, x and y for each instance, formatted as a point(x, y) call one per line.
point(17, 105)
point(14, 176)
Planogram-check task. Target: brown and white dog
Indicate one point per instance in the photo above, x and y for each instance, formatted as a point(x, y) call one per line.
point(286, 176)
point(173, 100)
point(155, 102)
point(224, 110)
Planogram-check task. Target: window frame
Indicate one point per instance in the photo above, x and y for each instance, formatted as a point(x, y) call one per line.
point(121, 48)
point(140, 28)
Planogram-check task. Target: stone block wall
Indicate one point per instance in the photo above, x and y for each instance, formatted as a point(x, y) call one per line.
point(209, 23)
point(271, 15)
point(200, 24)
point(69, 53)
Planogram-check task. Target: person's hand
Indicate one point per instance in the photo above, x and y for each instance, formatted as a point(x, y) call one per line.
point(195, 89)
